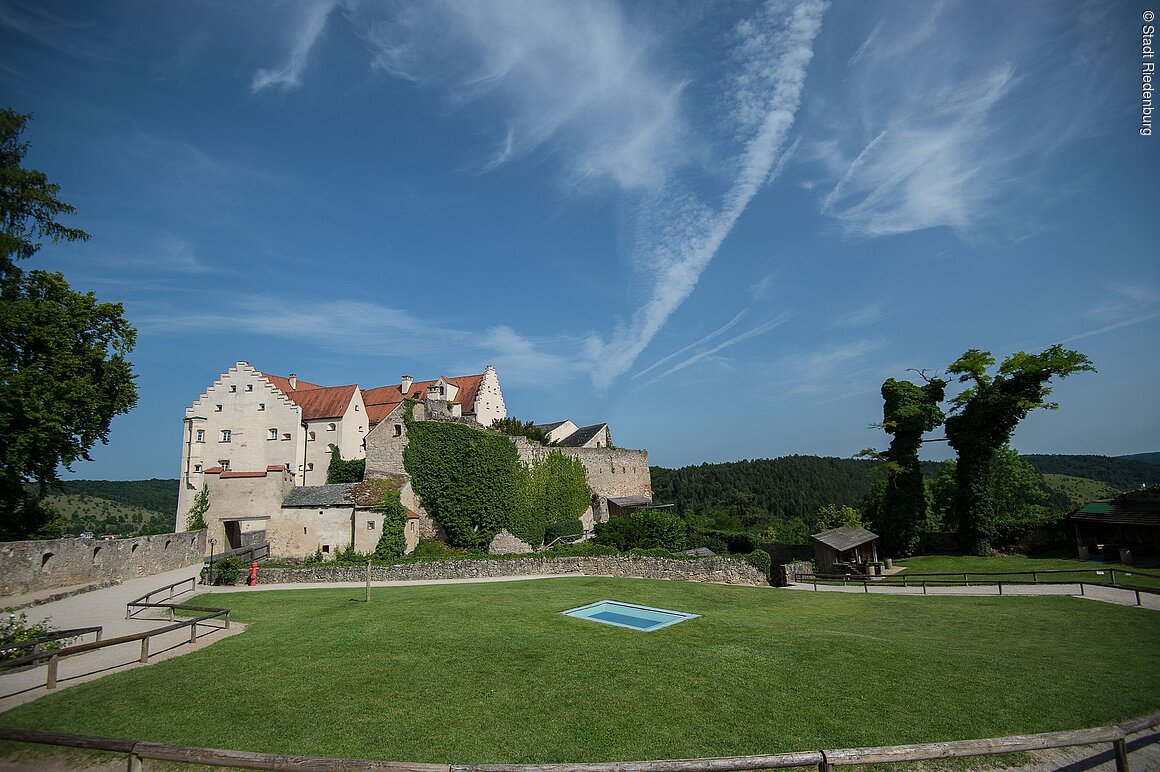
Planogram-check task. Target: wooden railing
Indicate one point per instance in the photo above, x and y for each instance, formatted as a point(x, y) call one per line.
point(825, 760)
point(250, 554)
point(983, 578)
point(137, 605)
point(36, 643)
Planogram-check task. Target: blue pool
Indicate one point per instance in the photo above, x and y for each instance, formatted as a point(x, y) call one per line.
point(611, 612)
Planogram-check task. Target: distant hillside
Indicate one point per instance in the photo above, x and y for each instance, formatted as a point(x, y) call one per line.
point(1123, 473)
point(157, 496)
point(1147, 458)
point(1079, 490)
point(103, 516)
point(784, 487)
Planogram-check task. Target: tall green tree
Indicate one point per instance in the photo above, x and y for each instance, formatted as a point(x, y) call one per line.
point(908, 412)
point(63, 372)
point(985, 415)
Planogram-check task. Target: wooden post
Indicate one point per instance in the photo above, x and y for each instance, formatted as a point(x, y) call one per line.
point(924, 587)
point(368, 595)
point(135, 763)
point(193, 632)
point(1035, 577)
point(227, 619)
point(1081, 588)
point(1113, 573)
point(144, 651)
point(1138, 603)
point(1000, 587)
point(52, 662)
point(1120, 746)
point(866, 587)
point(965, 582)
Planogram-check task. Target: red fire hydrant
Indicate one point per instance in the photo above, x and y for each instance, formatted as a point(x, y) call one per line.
point(253, 573)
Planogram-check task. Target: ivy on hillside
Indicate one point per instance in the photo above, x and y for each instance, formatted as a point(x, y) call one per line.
point(470, 481)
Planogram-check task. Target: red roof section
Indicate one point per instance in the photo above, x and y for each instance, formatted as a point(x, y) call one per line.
point(229, 475)
point(317, 402)
point(380, 401)
point(283, 384)
point(213, 470)
point(376, 413)
point(276, 468)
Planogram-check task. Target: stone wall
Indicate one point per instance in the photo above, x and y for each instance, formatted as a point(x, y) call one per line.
point(727, 570)
point(30, 566)
point(789, 572)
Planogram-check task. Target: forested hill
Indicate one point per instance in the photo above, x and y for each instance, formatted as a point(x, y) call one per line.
point(1125, 473)
point(154, 495)
point(785, 487)
point(1151, 458)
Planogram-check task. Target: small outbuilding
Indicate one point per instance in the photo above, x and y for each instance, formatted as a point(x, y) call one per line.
point(1125, 529)
point(846, 550)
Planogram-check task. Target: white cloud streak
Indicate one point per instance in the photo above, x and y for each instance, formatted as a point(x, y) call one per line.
point(719, 331)
point(308, 26)
point(751, 333)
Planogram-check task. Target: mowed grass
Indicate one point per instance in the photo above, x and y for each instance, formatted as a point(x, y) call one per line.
point(494, 673)
point(1093, 571)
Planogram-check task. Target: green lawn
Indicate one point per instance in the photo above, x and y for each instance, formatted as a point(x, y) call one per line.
point(1087, 570)
point(492, 672)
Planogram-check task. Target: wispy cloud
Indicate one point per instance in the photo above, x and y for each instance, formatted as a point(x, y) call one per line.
point(1126, 306)
point(583, 77)
point(967, 133)
point(680, 233)
point(834, 372)
point(760, 329)
point(861, 317)
point(307, 27)
point(719, 331)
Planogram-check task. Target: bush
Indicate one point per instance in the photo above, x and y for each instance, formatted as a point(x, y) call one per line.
point(582, 550)
point(734, 542)
point(393, 542)
point(344, 471)
point(651, 552)
point(15, 629)
point(564, 530)
point(761, 560)
point(433, 549)
point(226, 570)
point(316, 558)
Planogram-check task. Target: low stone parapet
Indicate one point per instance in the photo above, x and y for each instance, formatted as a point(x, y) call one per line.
point(725, 570)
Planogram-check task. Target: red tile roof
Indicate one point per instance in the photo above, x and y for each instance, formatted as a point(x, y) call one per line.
point(380, 401)
point(317, 402)
point(229, 475)
point(376, 413)
point(213, 470)
point(276, 468)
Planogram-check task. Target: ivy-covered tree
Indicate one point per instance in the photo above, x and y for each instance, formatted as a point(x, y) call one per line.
point(908, 412)
point(985, 415)
point(63, 372)
point(393, 541)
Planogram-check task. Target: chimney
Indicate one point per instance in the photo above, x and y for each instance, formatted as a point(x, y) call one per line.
point(293, 381)
point(405, 386)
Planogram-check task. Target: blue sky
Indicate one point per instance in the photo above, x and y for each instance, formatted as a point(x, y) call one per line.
point(717, 227)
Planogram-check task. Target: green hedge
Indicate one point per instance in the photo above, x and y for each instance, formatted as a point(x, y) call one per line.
point(564, 530)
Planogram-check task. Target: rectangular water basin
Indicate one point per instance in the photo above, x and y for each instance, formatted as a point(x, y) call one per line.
point(611, 612)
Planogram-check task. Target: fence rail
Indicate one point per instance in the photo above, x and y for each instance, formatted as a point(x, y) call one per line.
point(253, 554)
point(825, 760)
point(145, 600)
point(36, 643)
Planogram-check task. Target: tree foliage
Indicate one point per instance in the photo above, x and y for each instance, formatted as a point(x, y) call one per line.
point(195, 520)
point(62, 353)
point(908, 412)
point(985, 415)
point(554, 489)
point(833, 516)
point(645, 529)
point(513, 427)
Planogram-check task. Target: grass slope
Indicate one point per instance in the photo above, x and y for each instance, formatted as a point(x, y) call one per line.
point(1079, 490)
point(492, 672)
point(159, 496)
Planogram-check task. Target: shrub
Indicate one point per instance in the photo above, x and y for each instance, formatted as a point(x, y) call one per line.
point(316, 558)
point(433, 549)
point(15, 629)
point(226, 570)
point(344, 471)
point(651, 552)
point(645, 529)
point(393, 541)
point(583, 549)
point(195, 521)
point(761, 560)
point(734, 542)
point(564, 530)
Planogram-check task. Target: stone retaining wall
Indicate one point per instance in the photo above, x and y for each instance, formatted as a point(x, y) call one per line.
point(31, 566)
point(720, 569)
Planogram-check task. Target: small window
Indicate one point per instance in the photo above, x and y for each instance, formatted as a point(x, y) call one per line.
point(370, 525)
point(197, 467)
point(249, 387)
point(331, 427)
point(303, 530)
point(227, 435)
point(261, 406)
point(398, 430)
point(273, 435)
point(201, 435)
point(326, 549)
point(310, 436)
point(285, 436)
point(224, 464)
point(310, 467)
point(357, 408)
point(217, 408)
point(233, 389)
point(360, 428)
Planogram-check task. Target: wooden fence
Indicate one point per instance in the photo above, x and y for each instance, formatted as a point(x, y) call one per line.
point(138, 752)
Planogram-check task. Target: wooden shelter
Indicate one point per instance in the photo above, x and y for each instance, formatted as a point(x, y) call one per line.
point(844, 550)
point(1124, 529)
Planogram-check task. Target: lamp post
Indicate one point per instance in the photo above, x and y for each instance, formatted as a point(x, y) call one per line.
point(212, 542)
